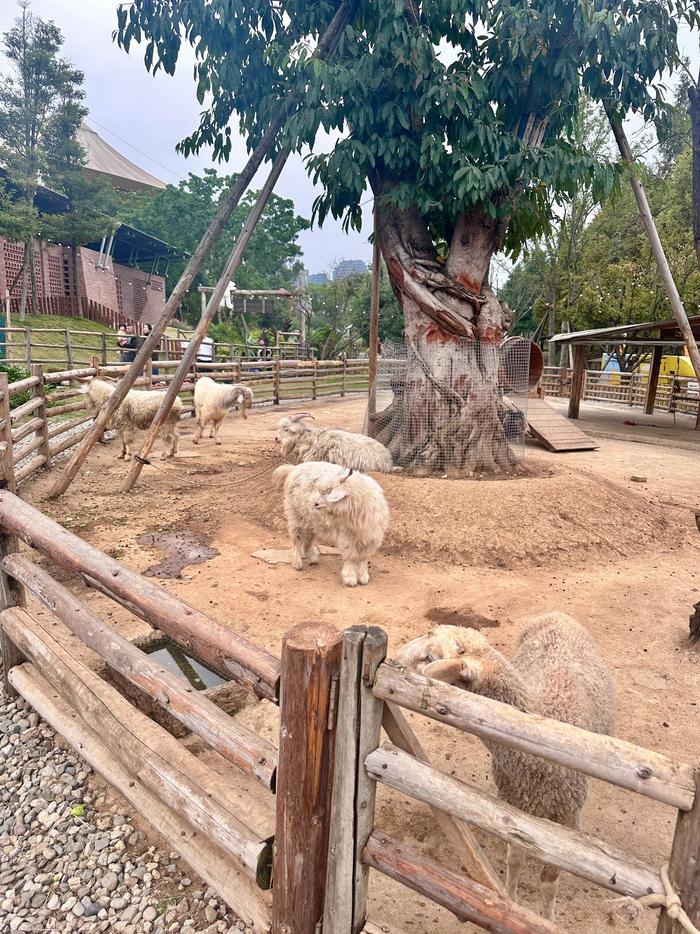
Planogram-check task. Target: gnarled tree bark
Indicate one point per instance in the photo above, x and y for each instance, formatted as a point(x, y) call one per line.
point(447, 411)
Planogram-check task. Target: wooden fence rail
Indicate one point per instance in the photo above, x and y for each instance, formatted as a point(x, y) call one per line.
point(55, 395)
point(673, 394)
point(614, 760)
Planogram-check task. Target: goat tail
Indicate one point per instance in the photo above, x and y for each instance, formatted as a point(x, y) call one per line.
point(280, 474)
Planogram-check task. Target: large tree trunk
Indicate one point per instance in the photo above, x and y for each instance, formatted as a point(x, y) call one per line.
point(447, 413)
point(694, 101)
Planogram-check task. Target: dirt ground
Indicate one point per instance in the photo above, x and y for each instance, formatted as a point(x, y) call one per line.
point(576, 534)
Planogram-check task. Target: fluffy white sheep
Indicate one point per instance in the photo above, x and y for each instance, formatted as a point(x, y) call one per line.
point(329, 505)
point(556, 672)
point(136, 411)
point(212, 401)
point(301, 442)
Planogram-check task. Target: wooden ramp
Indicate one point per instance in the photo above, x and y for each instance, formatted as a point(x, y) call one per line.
point(554, 431)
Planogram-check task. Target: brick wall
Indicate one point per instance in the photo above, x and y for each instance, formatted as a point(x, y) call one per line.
point(121, 289)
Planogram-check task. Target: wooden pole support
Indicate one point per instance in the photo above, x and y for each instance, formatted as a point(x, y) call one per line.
point(684, 867)
point(465, 898)
point(655, 243)
point(39, 392)
point(310, 670)
point(551, 843)
point(189, 357)
point(227, 204)
point(578, 379)
point(374, 320)
point(653, 382)
point(471, 855)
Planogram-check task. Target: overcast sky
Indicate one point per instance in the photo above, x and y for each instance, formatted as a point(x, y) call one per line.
point(144, 117)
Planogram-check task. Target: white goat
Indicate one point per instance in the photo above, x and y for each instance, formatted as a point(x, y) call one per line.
point(212, 401)
point(301, 442)
point(556, 672)
point(136, 411)
point(327, 504)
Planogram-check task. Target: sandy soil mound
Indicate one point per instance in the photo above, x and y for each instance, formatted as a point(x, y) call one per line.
point(530, 521)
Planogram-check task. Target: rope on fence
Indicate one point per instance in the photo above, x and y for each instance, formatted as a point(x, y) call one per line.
point(669, 901)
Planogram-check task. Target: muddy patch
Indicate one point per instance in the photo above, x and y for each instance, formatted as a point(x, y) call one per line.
point(180, 548)
point(444, 616)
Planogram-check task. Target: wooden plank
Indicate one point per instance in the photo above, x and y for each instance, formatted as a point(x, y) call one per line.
point(339, 904)
point(553, 430)
point(684, 868)
point(614, 760)
point(246, 750)
point(222, 648)
point(460, 895)
point(471, 855)
point(144, 748)
point(310, 667)
point(551, 843)
point(206, 859)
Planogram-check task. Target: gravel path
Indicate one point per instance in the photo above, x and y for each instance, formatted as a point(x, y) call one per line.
point(68, 863)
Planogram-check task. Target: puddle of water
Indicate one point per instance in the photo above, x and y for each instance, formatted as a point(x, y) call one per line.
point(180, 548)
point(177, 661)
point(467, 618)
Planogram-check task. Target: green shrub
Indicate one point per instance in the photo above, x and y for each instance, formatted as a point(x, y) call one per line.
point(14, 374)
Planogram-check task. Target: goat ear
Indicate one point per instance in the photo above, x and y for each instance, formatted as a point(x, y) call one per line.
point(448, 670)
point(336, 494)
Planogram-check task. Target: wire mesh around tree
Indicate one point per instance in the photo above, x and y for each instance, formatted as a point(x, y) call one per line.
point(452, 408)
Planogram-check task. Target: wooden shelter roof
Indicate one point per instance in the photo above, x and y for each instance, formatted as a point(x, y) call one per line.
point(666, 332)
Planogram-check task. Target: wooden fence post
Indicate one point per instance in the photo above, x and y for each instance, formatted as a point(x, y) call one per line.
point(27, 348)
point(40, 393)
point(69, 350)
point(104, 348)
point(314, 391)
point(684, 867)
point(339, 908)
point(276, 373)
point(578, 379)
point(345, 375)
point(8, 473)
point(354, 792)
point(11, 592)
point(310, 671)
point(371, 710)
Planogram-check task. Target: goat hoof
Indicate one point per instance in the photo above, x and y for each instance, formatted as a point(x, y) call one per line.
point(314, 556)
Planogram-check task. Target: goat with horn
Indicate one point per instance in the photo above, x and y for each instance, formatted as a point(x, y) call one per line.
point(301, 442)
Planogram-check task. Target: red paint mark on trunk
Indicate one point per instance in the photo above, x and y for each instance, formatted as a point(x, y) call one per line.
point(468, 282)
point(433, 334)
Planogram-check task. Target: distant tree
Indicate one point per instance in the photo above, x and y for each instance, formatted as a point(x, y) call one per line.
point(179, 214)
point(464, 153)
point(617, 281)
point(674, 137)
point(390, 313)
point(40, 111)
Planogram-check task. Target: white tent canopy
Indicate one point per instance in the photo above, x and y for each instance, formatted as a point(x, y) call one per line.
point(104, 160)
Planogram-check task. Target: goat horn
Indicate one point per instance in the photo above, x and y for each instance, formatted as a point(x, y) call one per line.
point(300, 415)
point(348, 474)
